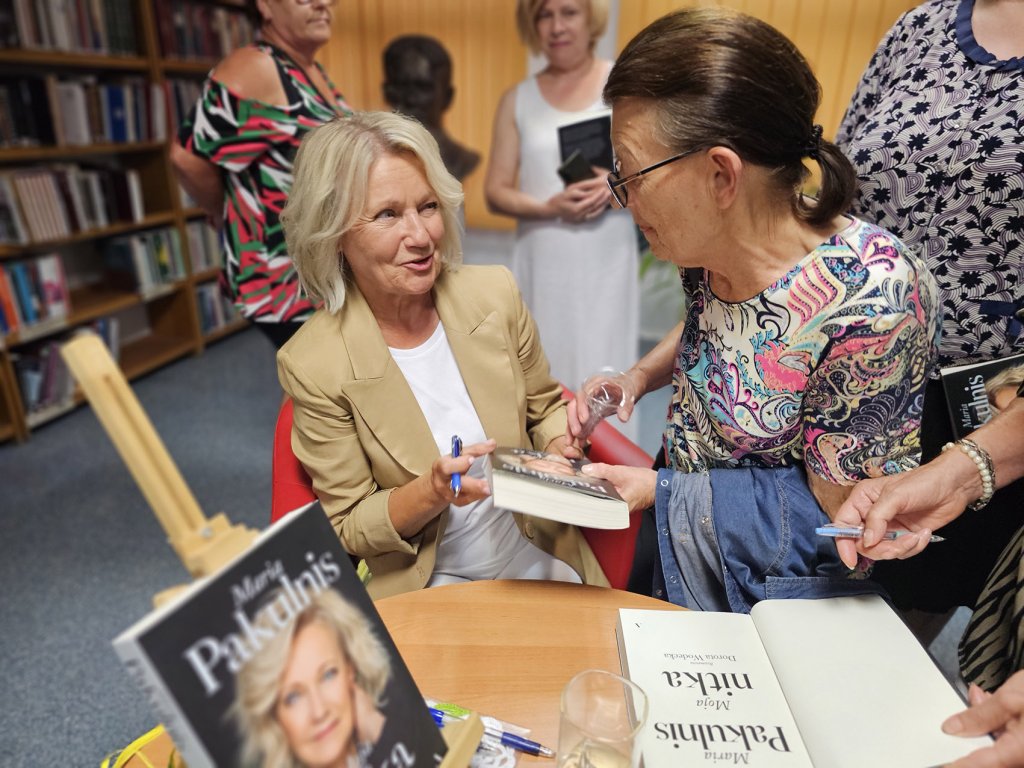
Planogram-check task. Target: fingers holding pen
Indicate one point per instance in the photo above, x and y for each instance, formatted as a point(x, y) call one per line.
point(450, 478)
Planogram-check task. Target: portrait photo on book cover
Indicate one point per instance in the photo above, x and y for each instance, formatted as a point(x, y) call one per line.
point(545, 466)
point(313, 694)
point(281, 660)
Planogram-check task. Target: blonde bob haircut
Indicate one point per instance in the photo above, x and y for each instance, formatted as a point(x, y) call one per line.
point(329, 192)
point(527, 12)
point(258, 683)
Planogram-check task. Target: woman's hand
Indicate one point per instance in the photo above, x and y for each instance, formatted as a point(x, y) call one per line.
point(369, 721)
point(633, 386)
point(921, 500)
point(1001, 714)
point(634, 484)
point(472, 488)
point(581, 201)
point(413, 505)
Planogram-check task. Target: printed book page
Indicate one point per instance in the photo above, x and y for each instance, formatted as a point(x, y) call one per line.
point(863, 689)
point(712, 693)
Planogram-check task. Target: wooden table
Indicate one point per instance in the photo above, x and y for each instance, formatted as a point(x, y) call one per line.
point(502, 648)
point(507, 648)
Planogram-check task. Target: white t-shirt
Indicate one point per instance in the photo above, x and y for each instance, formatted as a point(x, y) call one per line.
point(480, 541)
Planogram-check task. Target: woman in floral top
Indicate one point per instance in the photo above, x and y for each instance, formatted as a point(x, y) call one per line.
point(237, 148)
point(935, 132)
point(809, 335)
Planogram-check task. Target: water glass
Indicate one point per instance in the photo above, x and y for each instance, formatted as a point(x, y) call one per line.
point(602, 716)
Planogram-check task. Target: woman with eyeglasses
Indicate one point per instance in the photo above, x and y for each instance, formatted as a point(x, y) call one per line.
point(808, 336)
point(575, 259)
point(237, 147)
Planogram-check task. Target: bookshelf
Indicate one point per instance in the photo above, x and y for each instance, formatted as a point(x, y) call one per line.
point(94, 230)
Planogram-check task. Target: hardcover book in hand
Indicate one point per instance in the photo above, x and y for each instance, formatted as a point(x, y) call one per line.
point(554, 487)
point(973, 390)
point(834, 683)
point(281, 659)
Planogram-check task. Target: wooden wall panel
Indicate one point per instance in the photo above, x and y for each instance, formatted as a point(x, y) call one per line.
point(837, 36)
point(487, 58)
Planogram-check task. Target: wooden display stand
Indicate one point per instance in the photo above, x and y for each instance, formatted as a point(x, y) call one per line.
point(203, 544)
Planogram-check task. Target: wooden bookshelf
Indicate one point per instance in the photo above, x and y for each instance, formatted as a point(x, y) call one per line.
point(165, 320)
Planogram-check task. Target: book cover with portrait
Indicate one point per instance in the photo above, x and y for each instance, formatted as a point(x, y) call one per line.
point(281, 659)
point(551, 486)
point(978, 391)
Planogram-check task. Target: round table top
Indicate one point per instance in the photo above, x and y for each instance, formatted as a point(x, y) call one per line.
point(507, 648)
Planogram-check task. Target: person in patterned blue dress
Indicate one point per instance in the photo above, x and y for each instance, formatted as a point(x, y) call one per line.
point(935, 131)
point(809, 334)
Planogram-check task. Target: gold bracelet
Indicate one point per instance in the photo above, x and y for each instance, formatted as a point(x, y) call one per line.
point(986, 469)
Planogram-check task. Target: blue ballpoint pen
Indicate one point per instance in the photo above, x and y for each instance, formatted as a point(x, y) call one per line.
point(513, 740)
point(456, 483)
point(856, 532)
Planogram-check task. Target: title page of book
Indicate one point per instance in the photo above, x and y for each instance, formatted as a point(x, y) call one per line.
point(713, 696)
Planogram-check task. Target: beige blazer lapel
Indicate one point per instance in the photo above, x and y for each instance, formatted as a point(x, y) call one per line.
point(480, 345)
point(380, 394)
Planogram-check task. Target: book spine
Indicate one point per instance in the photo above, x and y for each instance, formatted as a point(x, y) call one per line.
point(142, 671)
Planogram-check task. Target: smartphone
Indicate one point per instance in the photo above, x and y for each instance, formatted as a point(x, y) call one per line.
point(575, 168)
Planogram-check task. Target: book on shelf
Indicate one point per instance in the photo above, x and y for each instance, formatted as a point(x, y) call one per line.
point(9, 37)
point(11, 318)
point(12, 227)
point(971, 390)
point(592, 137)
point(554, 487)
point(239, 654)
point(832, 683)
point(88, 26)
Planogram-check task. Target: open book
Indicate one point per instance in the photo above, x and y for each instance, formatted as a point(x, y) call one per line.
point(974, 390)
point(551, 486)
point(281, 650)
point(836, 683)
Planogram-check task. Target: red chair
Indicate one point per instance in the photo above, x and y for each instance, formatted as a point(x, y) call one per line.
point(291, 488)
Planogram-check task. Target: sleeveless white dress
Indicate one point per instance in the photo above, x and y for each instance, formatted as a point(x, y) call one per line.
point(580, 281)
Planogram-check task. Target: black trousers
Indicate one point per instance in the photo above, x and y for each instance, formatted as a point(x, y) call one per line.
point(278, 333)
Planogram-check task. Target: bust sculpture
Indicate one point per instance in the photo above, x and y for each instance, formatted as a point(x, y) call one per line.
point(418, 83)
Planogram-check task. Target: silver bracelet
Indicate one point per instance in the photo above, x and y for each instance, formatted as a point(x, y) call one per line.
point(986, 469)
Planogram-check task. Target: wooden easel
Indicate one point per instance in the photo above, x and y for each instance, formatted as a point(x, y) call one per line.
point(203, 544)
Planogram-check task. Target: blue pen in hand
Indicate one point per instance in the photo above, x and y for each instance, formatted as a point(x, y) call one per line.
point(856, 532)
point(508, 739)
point(456, 483)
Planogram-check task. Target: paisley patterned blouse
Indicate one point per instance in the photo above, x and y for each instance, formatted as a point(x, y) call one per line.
point(936, 133)
point(827, 366)
point(255, 144)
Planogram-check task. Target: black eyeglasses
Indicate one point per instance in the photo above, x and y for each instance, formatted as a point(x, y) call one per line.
point(618, 185)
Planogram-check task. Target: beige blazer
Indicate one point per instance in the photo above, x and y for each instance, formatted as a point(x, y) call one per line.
point(360, 433)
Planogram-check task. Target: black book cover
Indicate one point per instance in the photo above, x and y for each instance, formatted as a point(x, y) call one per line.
point(972, 391)
point(592, 137)
point(281, 658)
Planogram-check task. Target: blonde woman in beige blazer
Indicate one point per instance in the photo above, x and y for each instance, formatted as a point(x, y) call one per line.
point(372, 227)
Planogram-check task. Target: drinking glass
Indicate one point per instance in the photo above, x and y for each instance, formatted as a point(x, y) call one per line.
point(602, 716)
point(605, 394)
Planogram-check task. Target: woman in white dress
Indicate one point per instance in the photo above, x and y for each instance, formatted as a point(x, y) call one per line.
point(575, 258)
